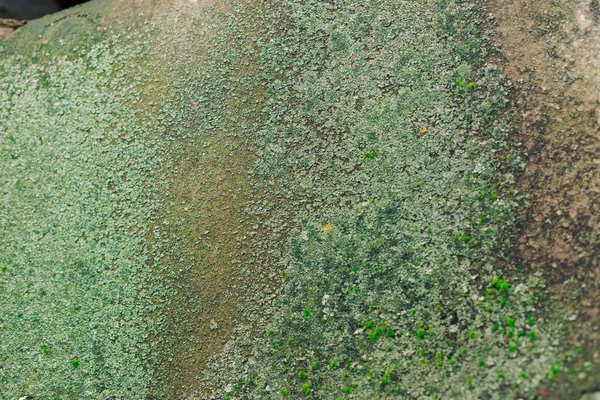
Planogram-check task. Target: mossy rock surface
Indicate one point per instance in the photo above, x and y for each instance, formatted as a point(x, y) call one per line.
point(303, 199)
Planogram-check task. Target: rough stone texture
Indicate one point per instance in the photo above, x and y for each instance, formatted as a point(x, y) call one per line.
point(292, 198)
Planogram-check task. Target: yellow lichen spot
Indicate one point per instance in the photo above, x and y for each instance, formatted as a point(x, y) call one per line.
point(328, 227)
point(423, 131)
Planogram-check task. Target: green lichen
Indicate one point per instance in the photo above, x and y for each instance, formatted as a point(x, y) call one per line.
point(156, 189)
point(384, 120)
point(72, 221)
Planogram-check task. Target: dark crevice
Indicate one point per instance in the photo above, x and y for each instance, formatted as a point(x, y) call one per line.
point(32, 9)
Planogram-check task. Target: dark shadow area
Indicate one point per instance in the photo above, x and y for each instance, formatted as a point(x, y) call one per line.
point(31, 9)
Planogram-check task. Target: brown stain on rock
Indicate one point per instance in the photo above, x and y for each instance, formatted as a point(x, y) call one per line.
point(224, 271)
point(206, 201)
point(8, 26)
point(552, 60)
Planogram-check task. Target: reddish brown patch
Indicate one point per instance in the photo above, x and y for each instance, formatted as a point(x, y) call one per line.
point(7, 26)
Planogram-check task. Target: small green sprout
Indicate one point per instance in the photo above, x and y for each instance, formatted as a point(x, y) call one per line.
point(75, 363)
point(480, 363)
point(302, 375)
point(421, 334)
point(307, 387)
point(501, 285)
point(530, 320)
point(307, 313)
point(376, 334)
point(370, 155)
point(554, 370)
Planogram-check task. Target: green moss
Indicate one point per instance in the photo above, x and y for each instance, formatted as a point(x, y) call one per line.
point(389, 278)
point(500, 285)
point(370, 155)
point(302, 375)
point(376, 334)
point(307, 388)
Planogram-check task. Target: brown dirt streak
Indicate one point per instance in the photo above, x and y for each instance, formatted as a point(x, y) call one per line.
point(552, 51)
point(209, 178)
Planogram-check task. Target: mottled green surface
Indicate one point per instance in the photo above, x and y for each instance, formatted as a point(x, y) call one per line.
point(371, 142)
point(388, 130)
point(72, 222)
